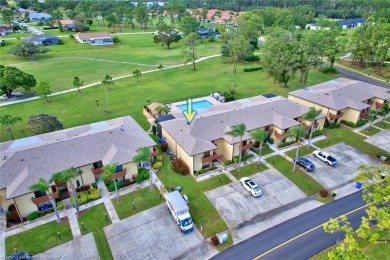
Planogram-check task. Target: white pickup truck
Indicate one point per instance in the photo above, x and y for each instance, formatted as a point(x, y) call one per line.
point(325, 157)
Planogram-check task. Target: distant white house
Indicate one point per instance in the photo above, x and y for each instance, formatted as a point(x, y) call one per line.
point(100, 38)
point(39, 17)
point(351, 23)
point(4, 30)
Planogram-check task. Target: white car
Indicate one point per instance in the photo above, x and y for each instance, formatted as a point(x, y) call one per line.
point(251, 186)
point(325, 157)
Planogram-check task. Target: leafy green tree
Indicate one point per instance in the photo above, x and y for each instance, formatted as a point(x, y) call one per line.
point(259, 135)
point(137, 74)
point(12, 78)
point(7, 15)
point(190, 44)
point(109, 171)
point(60, 27)
point(175, 10)
point(238, 47)
point(161, 68)
point(142, 15)
point(232, 87)
point(28, 49)
point(385, 111)
point(296, 133)
point(111, 21)
point(77, 83)
point(7, 120)
point(376, 181)
point(238, 131)
point(311, 116)
point(107, 82)
point(43, 123)
point(339, 45)
point(188, 24)
point(43, 186)
point(43, 89)
point(145, 155)
point(166, 35)
point(67, 176)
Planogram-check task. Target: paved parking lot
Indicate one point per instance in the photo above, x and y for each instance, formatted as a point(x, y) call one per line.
point(345, 171)
point(381, 140)
point(81, 248)
point(247, 215)
point(153, 234)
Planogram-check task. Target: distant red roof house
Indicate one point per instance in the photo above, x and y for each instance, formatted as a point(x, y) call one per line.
point(5, 30)
point(99, 38)
point(228, 17)
point(66, 24)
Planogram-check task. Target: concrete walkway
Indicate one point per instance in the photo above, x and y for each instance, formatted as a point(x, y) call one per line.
point(107, 202)
point(74, 225)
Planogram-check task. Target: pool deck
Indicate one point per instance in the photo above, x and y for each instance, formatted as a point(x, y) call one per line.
point(176, 112)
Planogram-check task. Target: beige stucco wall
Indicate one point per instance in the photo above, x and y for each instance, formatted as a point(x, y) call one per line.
point(224, 148)
point(308, 103)
point(181, 154)
point(379, 100)
point(170, 141)
point(236, 149)
point(3, 200)
point(197, 162)
point(131, 170)
point(25, 204)
point(88, 176)
point(351, 115)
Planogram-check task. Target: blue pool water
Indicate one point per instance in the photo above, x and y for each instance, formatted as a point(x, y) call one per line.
point(195, 105)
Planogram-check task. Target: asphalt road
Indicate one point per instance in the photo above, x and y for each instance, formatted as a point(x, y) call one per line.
point(272, 243)
point(356, 76)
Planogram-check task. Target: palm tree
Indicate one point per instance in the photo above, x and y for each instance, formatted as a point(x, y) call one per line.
point(145, 155)
point(159, 110)
point(238, 131)
point(8, 120)
point(296, 133)
point(385, 110)
point(107, 82)
point(311, 116)
point(109, 171)
point(43, 186)
point(373, 117)
point(259, 135)
point(67, 176)
point(166, 109)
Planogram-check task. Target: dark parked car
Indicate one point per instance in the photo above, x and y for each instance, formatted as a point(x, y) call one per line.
point(306, 164)
point(22, 255)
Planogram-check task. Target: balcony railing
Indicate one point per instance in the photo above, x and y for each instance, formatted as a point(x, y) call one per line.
point(270, 131)
point(97, 171)
point(210, 158)
point(45, 198)
point(155, 152)
point(277, 134)
point(363, 114)
point(247, 146)
point(117, 175)
point(308, 126)
point(333, 116)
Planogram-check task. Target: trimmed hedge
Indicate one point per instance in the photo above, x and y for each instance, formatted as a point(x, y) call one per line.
point(229, 98)
point(33, 215)
point(315, 133)
point(244, 157)
point(285, 144)
point(252, 69)
point(332, 125)
point(348, 123)
point(227, 162)
point(157, 165)
point(60, 205)
point(328, 70)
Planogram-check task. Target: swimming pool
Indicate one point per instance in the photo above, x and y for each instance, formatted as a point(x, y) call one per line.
point(195, 105)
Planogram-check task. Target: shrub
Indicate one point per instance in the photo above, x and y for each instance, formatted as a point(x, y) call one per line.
point(33, 215)
point(82, 198)
point(157, 165)
point(159, 158)
point(11, 207)
point(71, 36)
point(271, 140)
point(42, 213)
point(94, 194)
point(212, 168)
point(180, 167)
point(111, 187)
point(252, 69)
point(285, 144)
point(164, 147)
point(139, 178)
point(126, 183)
point(116, 40)
point(201, 171)
point(94, 185)
point(332, 125)
point(361, 122)
point(229, 98)
point(315, 133)
point(328, 70)
point(348, 123)
point(235, 159)
point(227, 162)
point(50, 210)
point(143, 174)
point(49, 27)
point(244, 157)
point(60, 205)
point(214, 240)
point(154, 129)
point(13, 217)
point(324, 193)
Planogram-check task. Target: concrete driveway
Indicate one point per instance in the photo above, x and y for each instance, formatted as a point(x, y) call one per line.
point(381, 140)
point(344, 172)
point(81, 248)
point(153, 234)
point(247, 215)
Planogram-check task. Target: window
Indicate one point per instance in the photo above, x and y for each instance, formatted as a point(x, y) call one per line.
point(206, 154)
point(119, 168)
point(97, 165)
point(266, 128)
point(78, 183)
point(244, 142)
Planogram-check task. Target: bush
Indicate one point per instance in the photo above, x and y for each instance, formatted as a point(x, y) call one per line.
point(60, 205)
point(71, 36)
point(82, 198)
point(13, 217)
point(111, 186)
point(252, 69)
point(244, 157)
point(157, 165)
point(332, 125)
point(139, 178)
point(94, 185)
point(49, 27)
point(324, 193)
point(214, 240)
point(159, 158)
point(180, 167)
point(94, 194)
point(348, 123)
point(229, 98)
point(252, 58)
point(33, 215)
point(201, 171)
point(315, 133)
point(143, 174)
point(271, 140)
point(212, 168)
point(164, 147)
point(328, 70)
point(116, 40)
point(285, 144)
point(154, 129)
point(227, 162)
point(361, 122)
point(11, 207)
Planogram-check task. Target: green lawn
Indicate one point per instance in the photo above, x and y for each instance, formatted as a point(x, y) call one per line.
point(385, 126)
point(201, 209)
point(127, 97)
point(228, 243)
point(264, 150)
point(370, 132)
point(302, 180)
point(39, 239)
point(302, 151)
point(325, 200)
point(355, 140)
point(94, 220)
point(248, 170)
point(144, 199)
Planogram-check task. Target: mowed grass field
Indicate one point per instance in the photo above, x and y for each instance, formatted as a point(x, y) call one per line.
point(127, 97)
